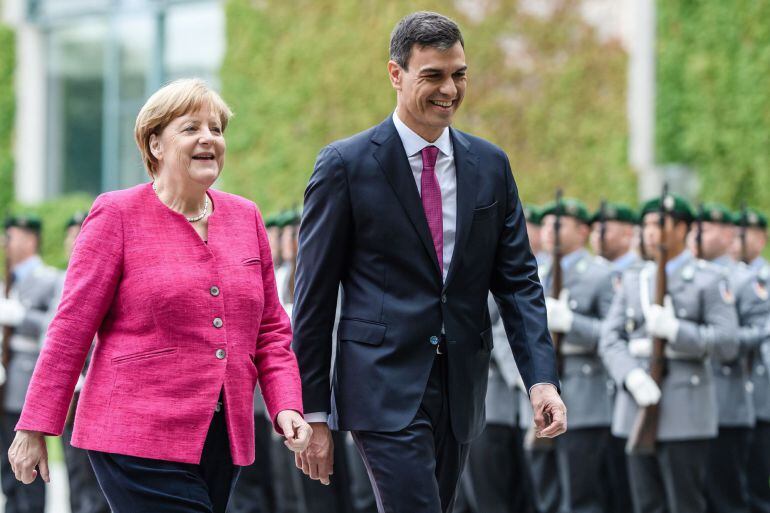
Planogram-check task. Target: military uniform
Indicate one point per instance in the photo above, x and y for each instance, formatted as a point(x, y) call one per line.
point(673, 478)
point(34, 288)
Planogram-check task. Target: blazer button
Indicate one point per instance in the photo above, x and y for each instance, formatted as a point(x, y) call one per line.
point(434, 340)
point(217, 322)
point(214, 290)
point(220, 354)
point(443, 298)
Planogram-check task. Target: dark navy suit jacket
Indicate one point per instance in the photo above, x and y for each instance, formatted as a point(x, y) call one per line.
point(363, 226)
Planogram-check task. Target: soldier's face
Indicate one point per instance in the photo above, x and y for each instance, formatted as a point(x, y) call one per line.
point(756, 240)
point(618, 238)
point(288, 244)
point(20, 244)
point(533, 232)
point(274, 239)
point(676, 232)
point(572, 235)
point(715, 239)
point(69, 239)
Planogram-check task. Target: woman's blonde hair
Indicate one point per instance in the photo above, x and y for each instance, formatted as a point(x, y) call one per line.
point(175, 99)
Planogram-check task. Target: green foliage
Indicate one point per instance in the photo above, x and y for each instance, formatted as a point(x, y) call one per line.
point(713, 103)
point(301, 74)
point(55, 215)
point(7, 108)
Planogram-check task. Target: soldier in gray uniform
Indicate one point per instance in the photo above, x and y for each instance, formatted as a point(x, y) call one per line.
point(613, 231)
point(726, 481)
point(533, 215)
point(26, 311)
point(587, 390)
point(698, 321)
point(758, 468)
point(85, 494)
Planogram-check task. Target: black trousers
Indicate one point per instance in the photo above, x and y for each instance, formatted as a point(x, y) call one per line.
point(19, 498)
point(85, 494)
point(759, 468)
point(672, 480)
point(254, 491)
point(544, 472)
point(495, 479)
point(361, 494)
point(142, 485)
point(616, 476)
point(416, 469)
point(581, 456)
point(727, 489)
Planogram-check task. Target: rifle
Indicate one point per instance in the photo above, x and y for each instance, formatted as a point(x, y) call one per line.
point(603, 228)
point(699, 233)
point(744, 228)
point(644, 434)
point(530, 440)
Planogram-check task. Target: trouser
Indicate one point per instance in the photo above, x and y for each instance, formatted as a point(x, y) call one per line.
point(726, 480)
point(495, 480)
point(85, 494)
point(143, 485)
point(581, 455)
point(616, 476)
point(361, 494)
point(19, 498)
point(254, 491)
point(672, 480)
point(416, 469)
point(759, 468)
point(545, 479)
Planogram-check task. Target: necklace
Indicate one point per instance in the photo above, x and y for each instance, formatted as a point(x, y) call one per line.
point(199, 216)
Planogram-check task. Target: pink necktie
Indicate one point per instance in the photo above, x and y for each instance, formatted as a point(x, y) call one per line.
point(431, 201)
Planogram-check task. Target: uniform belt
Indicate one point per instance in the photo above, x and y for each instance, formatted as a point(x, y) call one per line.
point(22, 344)
point(574, 350)
point(642, 348)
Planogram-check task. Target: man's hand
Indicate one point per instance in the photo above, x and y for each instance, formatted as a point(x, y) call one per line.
point(296, 431)
point(317, 461)
point(550, 412)
point(27, 452)
point(559, 313)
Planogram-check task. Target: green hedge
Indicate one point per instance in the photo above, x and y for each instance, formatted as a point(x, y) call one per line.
point(7, 109)
point(713, 100)
point(302, 74)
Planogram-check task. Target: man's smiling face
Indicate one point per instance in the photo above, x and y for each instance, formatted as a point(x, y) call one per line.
point(431, 89)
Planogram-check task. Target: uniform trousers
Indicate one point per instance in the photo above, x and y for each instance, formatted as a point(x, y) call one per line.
point(143, 485)
point(672, 480)
point(254, 491)
point(19, 498)
point(85, 494)
point(581, 456)
point(726, 480)
point(545, 479)
point(616, 477)
point(416, 469)
point(495, 479)
point(759, 468)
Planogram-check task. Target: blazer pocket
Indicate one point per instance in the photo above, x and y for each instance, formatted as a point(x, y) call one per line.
point(145, 355)
point(484, 212)
point(486, 339)
point(251, 260)
point(365, 332)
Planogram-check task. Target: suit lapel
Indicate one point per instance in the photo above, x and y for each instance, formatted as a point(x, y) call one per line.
point(391, 157)
point(466, 167)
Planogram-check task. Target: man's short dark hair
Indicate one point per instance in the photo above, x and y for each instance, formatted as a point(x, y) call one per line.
point(423, 29)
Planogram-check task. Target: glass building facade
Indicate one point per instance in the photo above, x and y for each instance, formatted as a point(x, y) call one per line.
point(103, 58)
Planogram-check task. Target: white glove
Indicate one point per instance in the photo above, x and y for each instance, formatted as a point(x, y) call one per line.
point(661, 321)
point(2, 375)
point(11, 312)
point(560, 315)
point(642, 387)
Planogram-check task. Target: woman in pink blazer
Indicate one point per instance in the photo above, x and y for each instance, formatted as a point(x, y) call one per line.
point(176, 280)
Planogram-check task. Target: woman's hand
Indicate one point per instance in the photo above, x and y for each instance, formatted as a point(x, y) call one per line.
point(296, 431)
point(28, 451)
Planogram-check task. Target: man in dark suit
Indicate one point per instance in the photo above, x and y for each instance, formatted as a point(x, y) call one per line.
point(418, 222)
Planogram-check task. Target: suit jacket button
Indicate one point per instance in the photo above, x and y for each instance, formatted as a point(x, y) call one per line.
point(214, 290)
point(443, 298)
point(220, 354)
point(434, 340)
point(217, 322)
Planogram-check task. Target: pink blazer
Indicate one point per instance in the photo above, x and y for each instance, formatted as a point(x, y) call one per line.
point(176, 320)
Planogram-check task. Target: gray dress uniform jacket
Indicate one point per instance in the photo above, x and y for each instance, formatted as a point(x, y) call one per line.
point(502, 402)
point(732, 378)
point(759, 345)
point(37, 292)
point(708, 326)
